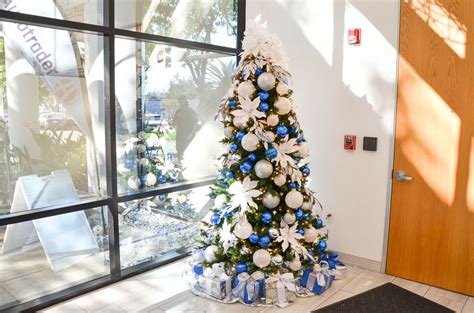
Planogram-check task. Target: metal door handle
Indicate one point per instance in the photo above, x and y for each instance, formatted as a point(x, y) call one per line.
point(401, 176)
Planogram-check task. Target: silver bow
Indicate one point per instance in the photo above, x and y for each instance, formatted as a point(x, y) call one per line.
point(283, 281)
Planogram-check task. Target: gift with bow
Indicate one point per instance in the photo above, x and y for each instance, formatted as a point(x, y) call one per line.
point(315, 279)
point(280, 289)
point(215, 283)
point(338, 268)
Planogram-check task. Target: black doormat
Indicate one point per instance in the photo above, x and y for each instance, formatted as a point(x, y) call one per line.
point(388, 298)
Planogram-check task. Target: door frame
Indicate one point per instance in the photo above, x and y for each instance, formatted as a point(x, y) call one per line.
point(388, 202)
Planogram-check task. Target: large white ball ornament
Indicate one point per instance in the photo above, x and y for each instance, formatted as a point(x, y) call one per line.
point(261, 258)
point(246, 89)
point(229, 132)
point(243, 230)
point(270, 201)
point(307, 205)
point(250, 142)
point(144, 162)
point(150, 179)
point(210, 253)
point(283, 105)
point(282, 89)
point(239, 124)
point(294, 199)
point(310, 234)
point(266, 81)
point(220, 200)
point(263, 169)
point(122, 169)
point(280, 180)
point(272, 120)
point(289, 218)
point(134, 182)
point(295, 265)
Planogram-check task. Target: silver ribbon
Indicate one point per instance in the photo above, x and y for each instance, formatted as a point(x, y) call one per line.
point(283, 281)
point(210, 274)
point(244, 282)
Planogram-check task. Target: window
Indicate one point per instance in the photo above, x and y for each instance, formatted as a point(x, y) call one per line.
point(107, 137)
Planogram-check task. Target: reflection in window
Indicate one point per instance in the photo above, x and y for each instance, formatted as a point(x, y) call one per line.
point(167, 99)
point(155, 226)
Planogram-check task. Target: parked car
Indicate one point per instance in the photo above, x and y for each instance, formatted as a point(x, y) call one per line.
point(52, 120)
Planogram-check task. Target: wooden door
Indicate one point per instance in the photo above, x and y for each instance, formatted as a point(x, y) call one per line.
point(431, 237)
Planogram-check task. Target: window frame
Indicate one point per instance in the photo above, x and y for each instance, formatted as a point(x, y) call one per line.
point(109, 33)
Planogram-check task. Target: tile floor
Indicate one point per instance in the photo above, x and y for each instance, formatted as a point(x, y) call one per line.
point(163, 290)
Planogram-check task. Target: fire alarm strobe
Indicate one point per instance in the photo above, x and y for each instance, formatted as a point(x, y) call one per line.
point(349, 142)
point(353, 36)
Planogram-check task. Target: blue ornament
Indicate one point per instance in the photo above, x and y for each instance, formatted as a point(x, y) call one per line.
point(271, 153)
point(162, 179)
point(233, 103)
point(292, 185)
point(293, 130)
point(246, 167)
point(129, 163)
point(306, 217)
point(163, 197)
point(253, 238)
point(267, 217)
point(264, 241)
point(299, 139)
point(229, 174)
point(242, 75)
point(306, 170)
point(322, 245)
point(215, 219)
point(263, 106)
point(299, 214)
point(300, 231)
point(198, 269)
point(258, 71)
point(319, 223)
point(282, 131)
point(252, 157)
point(241, 268)
point(234, 147)
point(239, 135)
point(223, 182)
point(263, 95)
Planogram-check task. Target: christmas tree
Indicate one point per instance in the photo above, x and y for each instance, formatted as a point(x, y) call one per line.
point(265, 217)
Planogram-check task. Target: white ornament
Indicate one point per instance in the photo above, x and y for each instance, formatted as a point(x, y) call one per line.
point(246, 89)
point(152, 140)
point(273, 232)
point(266, 81)
point(283, 105)
point(243, 229)
point(263, 169)
point(270, 201)
point(229, 132)
point(239, 123)
point(310, 234)
point(220, 200)
point(141, 135)
point(133, 182)
point(122, 169)
point(150, 179)
point(144, 162)
point(141, 148)
point(277, 260)
point(261, 258)
point(280, 180)
point(250, 142)
point(302, 150)
point(210, 253)
point(294, 199)
point(272, 120)
point(307, 206)
point(282, 89)
point(295, 265)
point(289, 218)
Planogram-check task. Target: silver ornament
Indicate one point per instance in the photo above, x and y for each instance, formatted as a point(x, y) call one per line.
point(277, 260)
point(294, 199)
point(263, 169)
point(261, 258)
point(250, 142)
point(283, 105)
point(310, 234)
point(266, 81)
point(246, 89)
point(270, 201)
point(289, 218)
point(273, 232)
point(280, 180)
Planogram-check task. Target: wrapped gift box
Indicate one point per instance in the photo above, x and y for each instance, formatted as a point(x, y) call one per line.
point(216, 285)
point(249, 289)
point(316, 280)
point(280, 289)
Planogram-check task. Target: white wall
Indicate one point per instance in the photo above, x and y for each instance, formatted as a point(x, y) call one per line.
point(341, 89)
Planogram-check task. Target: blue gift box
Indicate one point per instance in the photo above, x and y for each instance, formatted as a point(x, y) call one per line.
point(249, 288)
point(316, 281)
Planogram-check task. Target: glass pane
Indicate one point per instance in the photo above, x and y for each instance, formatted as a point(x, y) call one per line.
point(51, 254)
point(51, 117)
point(208, 21)
point(167, 98)
point(159, 225)
point(84, 11)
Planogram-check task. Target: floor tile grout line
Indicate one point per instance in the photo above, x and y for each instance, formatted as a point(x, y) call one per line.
point(465, 302)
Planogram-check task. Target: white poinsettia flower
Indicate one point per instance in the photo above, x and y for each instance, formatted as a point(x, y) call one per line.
point(227, 238)
point(248, 111)
point(284, 150)
point(288, 236)
point(166, 167)
point(242, 194)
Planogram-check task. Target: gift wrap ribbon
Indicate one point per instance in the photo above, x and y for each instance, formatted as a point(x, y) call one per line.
point(210, 274)
point(244, 289)
point(284, 281)
point(313, 278)
point(260, 279)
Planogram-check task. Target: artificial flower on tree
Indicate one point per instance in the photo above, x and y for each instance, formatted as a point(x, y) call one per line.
point(265, 221)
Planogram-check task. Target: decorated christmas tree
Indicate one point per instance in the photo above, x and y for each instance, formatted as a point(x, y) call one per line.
point(265, 218)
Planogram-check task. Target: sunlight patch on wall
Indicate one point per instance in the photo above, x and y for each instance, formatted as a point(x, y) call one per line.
point(445, 24)
point(428, 133)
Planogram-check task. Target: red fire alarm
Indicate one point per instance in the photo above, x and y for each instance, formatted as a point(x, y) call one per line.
point(349, 142)
point(353, 36)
